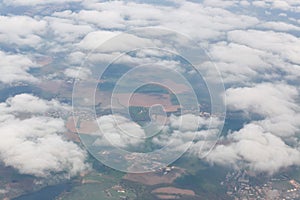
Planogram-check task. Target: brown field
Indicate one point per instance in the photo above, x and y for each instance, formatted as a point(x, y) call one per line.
point(155, 178)
point(104, 98)
point(53, 86)
point(45, 60)
point(173, 191)
point(71, 134)
point(89, 181)
point(163, 196)
point(145, 100)
point(88, 127)
point(180, 88)
point(71, 124)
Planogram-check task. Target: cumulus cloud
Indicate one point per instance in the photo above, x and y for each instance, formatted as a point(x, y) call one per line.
point(100, 18)
point(119, 131)
point(239, 63)
point(15, 67)
point(266, 144)
point(33, 143)
point(21, 31)
point(188, 122)
point(95, 39)
point(67, 30)
point(186, 16)
point(288, 5)
point(221, 3)
point(35, 2)
point(280, 26)
point(199, 134)
point(27, 103)
point(279, 109)
point(279, 99)
point(269, 41)
point(78, 73)
point(254, 148)
point(177, 135)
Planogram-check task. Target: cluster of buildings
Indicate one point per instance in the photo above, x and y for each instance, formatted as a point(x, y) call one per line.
point(242, 185)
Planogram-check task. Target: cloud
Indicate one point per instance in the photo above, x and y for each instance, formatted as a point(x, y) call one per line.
point(240, 63)
point(279, 108)
point(280, 5)
point(67, 31)
point(187, 122)
point(279, 99)
point(78, 73)
point(119, 131)
point(33, 143)
point(280, 26)
point(221, 3)
point(35, 2)
point(15, 67)
point(287, 5)
point(199, 134)
point(266, 144)
point(104, 19)
point(284, 125)
point(254, 148)
point(269, 41)
point(184, 16)
point(95, 39)
point(21, 31)
point(100, 18)
point(27, 103)
point(176, 136)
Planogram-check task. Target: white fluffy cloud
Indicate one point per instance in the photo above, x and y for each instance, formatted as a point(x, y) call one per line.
point(239, 63)
point(21, 30)
point(256, 149)
point(280, 26)
point(263, 145)
point(287, 5)
point(269, 41)
point(78, 73)
point(95, 39)
point(35, 2)
point(119, 131)
point(275, 103)
point(67, 30)
point(32, 143)
point(27, 103)
point(242, 64)
point(210, 22)
point(15, 67)
point(199, 134)
point(266, 99)
point(100, 18)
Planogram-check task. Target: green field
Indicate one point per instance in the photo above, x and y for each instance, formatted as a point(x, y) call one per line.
point(97, 186)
